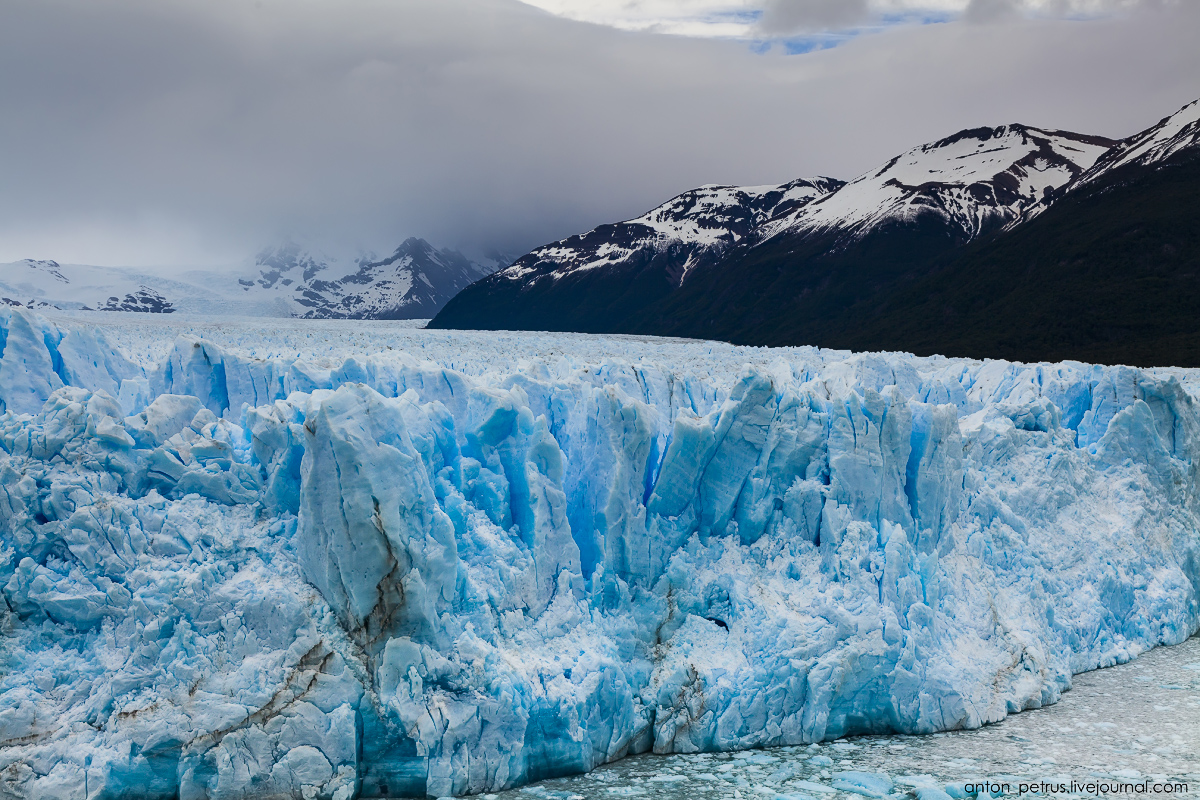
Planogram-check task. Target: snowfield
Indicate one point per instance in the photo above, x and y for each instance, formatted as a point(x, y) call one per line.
point(280, 559)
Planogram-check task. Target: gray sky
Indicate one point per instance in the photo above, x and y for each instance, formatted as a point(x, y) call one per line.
point(163, 132)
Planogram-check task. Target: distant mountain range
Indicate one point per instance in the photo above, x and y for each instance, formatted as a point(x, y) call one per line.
point(1012, 242)
point(414, 282)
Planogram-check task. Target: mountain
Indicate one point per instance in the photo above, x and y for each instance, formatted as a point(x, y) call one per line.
point(287, 281)
point(412, 283)
point(1154, 146)
point(1109, 272)
point(972, 182)
point(587, 282)
point(1012, 242)
point(48, 284)
point(733, 263)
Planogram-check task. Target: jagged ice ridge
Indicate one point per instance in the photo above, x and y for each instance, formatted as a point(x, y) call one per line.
point(228, 576)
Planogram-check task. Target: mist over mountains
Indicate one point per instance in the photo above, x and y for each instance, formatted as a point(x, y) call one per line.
point(286, 280)
point(1012, 241)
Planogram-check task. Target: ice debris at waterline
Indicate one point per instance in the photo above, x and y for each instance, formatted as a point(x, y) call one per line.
point(231, 577)
point(1134, 723)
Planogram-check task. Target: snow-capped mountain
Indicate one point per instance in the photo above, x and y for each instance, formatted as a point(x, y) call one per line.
point(287, 280)
point(1105, 271)
point(688, 228)
point(932, 197)
point(37, 283)
point(832, 266)
point(976, 180)
point(144, 300)
point(1154, 145)
point(414, 282)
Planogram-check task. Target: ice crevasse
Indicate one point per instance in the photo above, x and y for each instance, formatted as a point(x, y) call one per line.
point(232, 577)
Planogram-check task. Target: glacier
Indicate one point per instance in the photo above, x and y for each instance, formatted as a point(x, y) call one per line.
point(429, 563)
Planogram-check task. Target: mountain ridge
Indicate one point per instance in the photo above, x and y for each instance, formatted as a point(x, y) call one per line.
point(286, 280)
point(823, 272)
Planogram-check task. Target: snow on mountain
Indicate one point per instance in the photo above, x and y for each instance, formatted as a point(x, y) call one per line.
point(698, 223)
point(1171, 135)
point(36, 283)
point(289, 265)
point(414, 282)
point(330, 560)
point(287, 280)
point(733, 262)
point(976, 180)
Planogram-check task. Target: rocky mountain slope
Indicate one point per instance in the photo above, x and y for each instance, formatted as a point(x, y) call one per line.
point(625, 277)
point(412, 283)
point(835, 270)
point(1108, 272)
point(1154, 146)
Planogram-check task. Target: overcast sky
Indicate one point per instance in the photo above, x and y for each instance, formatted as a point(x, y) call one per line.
point(171, 132)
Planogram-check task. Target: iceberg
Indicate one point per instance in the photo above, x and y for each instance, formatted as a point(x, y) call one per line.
point(408, 572)
point(868, 784)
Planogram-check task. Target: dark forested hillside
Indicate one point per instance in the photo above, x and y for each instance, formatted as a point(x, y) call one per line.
point(1108, 274)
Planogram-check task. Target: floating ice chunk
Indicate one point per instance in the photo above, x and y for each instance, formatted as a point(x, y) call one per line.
point(812, 786)
point(869, 784)
point(930, 793)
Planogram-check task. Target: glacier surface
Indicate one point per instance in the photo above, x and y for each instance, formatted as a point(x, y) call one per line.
point(322, 563)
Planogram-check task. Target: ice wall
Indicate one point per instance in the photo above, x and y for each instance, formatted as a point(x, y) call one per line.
point(227, 577)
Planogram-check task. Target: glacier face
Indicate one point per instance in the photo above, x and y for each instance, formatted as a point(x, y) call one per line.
point(369, 574)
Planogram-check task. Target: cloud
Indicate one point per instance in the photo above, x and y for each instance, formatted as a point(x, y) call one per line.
point(725, 18)
point(768, 19)
point(172, 132)
point(985, 11)
point(787, 17)
point(992, 10)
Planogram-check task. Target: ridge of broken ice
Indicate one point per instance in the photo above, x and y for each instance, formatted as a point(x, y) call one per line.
point(229, 576)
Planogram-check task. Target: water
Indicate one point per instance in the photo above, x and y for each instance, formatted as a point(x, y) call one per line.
point(1131, 723)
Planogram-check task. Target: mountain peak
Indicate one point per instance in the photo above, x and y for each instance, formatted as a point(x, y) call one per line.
point(414, 282)
point(977, 179)
point(414, 244)
point(687, 229)
point(285, 279)
point(1178, 132)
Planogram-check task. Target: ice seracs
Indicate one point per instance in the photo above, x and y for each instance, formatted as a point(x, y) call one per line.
point(230, 576)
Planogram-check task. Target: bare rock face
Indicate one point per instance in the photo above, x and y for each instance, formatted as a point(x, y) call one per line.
point(144, 300)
